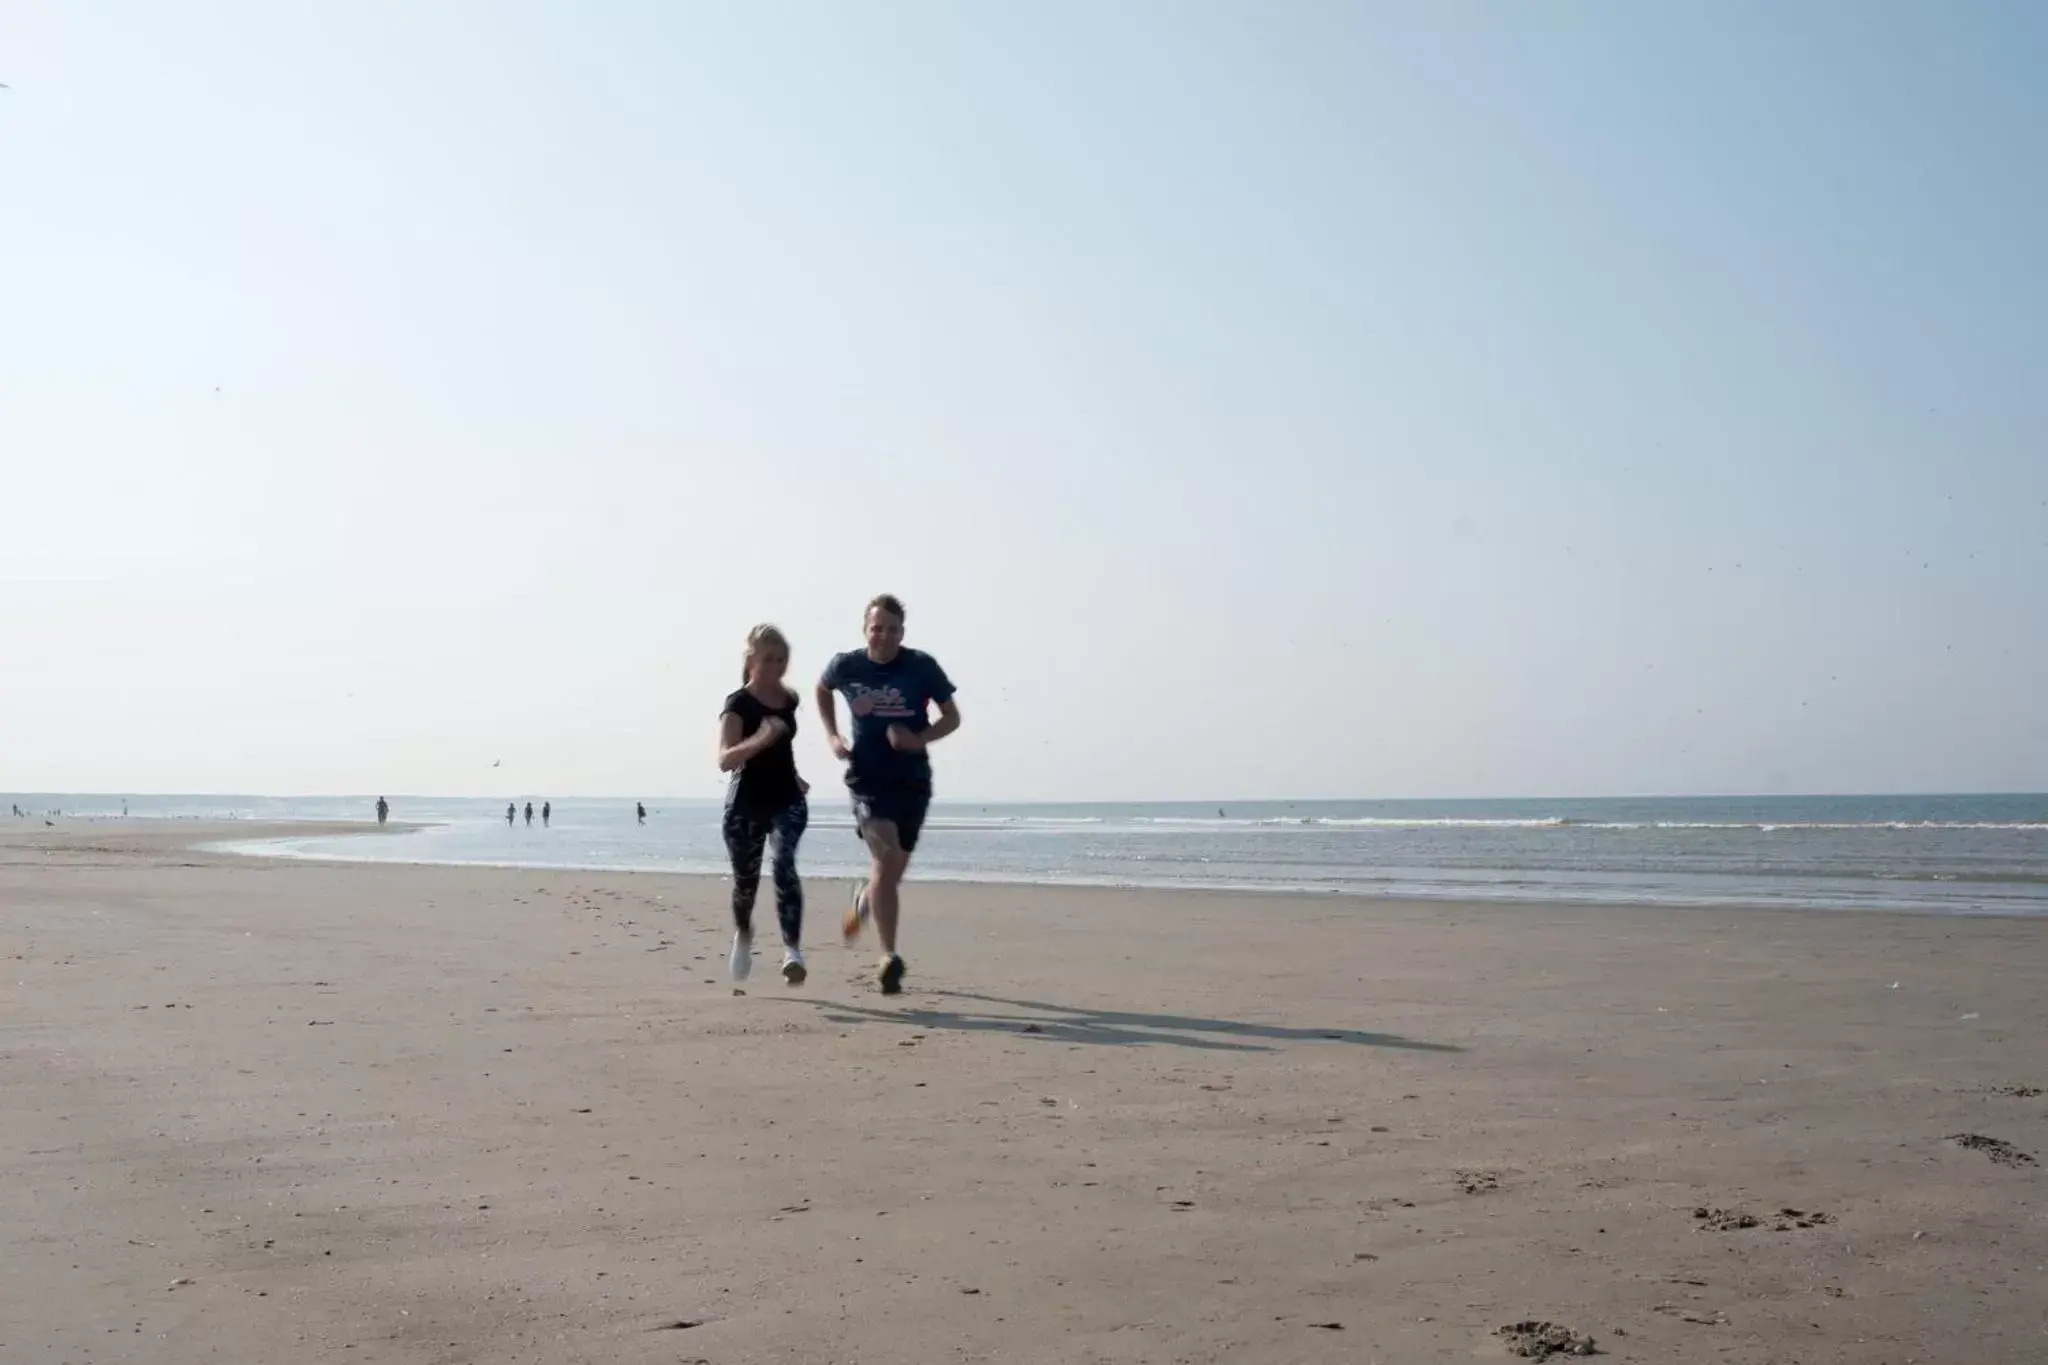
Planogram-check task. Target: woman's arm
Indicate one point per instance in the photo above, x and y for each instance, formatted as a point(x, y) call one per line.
point(733, 752)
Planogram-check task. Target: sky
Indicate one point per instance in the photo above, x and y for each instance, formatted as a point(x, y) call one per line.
point(1291, 401)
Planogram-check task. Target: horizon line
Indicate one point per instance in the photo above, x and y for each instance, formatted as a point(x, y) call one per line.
point(138, 794)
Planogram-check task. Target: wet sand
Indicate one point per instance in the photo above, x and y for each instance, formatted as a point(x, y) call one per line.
point(259, 1111)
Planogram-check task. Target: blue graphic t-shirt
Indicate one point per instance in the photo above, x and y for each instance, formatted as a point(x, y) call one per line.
point(900, 692)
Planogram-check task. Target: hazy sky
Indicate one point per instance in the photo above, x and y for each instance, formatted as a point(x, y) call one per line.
point(1248, 400)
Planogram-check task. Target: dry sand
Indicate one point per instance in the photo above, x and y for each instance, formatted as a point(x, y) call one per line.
point(263, 1111)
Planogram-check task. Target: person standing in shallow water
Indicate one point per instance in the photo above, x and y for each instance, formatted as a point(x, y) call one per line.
point(640, 809)
point(891, 691)
point(764, 800)
point(511, 812)
point(383, 810)
point(529, 813)
point(547, 813)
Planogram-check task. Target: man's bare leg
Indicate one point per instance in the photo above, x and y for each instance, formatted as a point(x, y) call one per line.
point(887, 863)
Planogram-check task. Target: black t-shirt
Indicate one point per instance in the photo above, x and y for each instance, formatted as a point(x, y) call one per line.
point(765, 783)
point(900, 692)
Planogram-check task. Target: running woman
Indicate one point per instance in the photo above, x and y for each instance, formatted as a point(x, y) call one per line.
point(890, 690)
point(764, 800)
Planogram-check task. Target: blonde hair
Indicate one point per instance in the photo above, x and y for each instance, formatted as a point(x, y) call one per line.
point(763, 634)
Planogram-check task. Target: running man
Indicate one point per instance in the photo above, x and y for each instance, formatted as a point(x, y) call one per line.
point(890, 690)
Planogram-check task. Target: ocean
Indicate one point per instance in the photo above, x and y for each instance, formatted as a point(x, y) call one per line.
point(1978, 855)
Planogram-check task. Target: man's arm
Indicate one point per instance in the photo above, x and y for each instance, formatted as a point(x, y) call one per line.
point(905, 740)
point(946, 724)
point(828, 715)
point(942, 695)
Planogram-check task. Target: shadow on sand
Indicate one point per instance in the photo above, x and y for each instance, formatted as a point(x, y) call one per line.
point(1106, 1028)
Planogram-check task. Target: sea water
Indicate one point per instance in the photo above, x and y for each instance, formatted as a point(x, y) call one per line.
point(1940, 854)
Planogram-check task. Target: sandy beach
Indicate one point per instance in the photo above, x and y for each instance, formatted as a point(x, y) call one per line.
point(265, 1111)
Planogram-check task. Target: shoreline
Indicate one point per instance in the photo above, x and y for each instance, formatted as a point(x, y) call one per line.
point(1953, 857)
point(1398, 890)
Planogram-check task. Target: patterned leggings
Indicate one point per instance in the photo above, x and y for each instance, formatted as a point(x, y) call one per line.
point(745, 837)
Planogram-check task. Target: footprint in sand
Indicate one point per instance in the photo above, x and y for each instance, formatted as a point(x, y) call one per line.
point(1998, 1149)
point(1541, 1340)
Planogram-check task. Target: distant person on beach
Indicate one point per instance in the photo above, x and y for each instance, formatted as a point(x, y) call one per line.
point(529, 813)
point(764, 799)
point(511, 812)
point(640, 809)
point(891, 691)
point(383, 810)
point(547, 813)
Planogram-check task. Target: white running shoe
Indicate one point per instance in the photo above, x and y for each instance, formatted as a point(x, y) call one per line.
point(742, 957)
point(793, 969)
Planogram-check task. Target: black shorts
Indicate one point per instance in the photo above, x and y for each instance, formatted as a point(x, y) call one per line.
point(903, 804)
